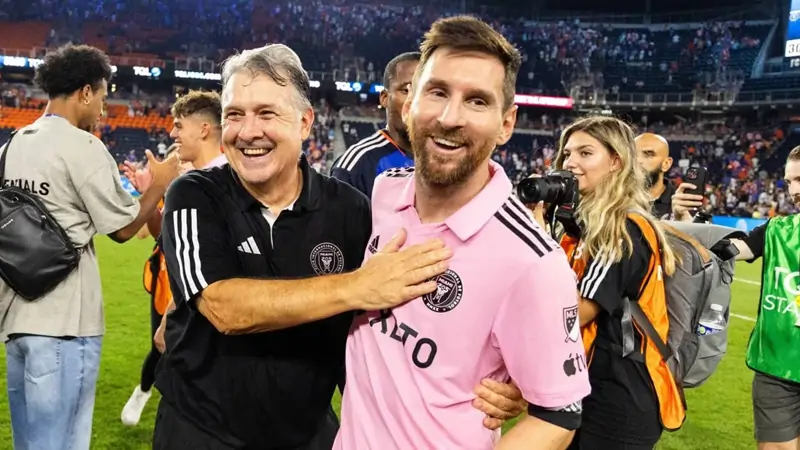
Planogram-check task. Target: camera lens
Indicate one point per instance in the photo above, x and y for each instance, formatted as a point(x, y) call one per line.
point(534, 190)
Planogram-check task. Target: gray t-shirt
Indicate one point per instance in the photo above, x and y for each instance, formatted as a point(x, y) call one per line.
point(78, 180)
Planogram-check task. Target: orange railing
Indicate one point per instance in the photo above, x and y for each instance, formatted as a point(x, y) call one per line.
point(117, 117)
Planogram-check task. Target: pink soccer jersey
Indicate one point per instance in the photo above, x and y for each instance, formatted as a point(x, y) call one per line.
point(506, 308)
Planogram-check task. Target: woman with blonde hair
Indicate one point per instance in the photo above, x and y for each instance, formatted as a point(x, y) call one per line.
point(620, 256)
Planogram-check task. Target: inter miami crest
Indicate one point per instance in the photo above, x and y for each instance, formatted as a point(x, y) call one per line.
point(327, 259)
point(570, 316)
point(447, 295)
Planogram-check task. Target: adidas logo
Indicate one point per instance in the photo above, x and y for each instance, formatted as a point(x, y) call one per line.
point(373, 245)
point(249, 246)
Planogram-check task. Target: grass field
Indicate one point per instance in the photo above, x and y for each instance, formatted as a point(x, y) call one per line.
point(720, 412)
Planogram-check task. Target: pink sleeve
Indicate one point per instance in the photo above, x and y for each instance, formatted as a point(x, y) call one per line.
point(537, 331)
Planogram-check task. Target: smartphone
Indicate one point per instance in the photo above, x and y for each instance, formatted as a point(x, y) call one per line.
point(698, 176)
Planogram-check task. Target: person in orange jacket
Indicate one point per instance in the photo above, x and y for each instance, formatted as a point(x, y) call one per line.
point(617, 254)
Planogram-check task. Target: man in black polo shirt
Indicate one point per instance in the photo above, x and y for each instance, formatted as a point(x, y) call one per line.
point(653, 151)
point(263, 257)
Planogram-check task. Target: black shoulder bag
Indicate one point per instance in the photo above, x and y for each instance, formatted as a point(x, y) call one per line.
point(35, 252)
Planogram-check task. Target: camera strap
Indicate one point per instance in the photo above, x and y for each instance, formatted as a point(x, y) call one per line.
point(550, 217)
point(3, 159)
point(566, 217)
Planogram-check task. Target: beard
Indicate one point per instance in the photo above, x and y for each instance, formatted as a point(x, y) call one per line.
point(653, 177)
point(432, 166)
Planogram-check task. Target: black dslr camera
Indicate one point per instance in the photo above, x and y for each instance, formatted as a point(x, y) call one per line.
point(559, 191)
point(557, 188)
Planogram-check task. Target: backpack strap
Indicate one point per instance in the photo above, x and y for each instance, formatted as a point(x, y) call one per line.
point(3, 159)
point(644, 323)
point(637, 313)
point(666, 353)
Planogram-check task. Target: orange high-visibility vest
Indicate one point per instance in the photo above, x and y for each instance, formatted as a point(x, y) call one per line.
point(155, 278)
point(653, 301)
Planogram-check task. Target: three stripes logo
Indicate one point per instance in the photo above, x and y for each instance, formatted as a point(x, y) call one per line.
point(354, 154)
point(249, 246)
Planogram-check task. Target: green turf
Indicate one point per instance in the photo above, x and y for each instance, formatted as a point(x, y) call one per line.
point(720, 415)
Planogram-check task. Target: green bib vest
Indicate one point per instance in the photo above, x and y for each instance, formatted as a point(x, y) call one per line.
point(774, 347)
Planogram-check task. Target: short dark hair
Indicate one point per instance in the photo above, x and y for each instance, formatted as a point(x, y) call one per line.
point(794, 155)
point(71, 67)
point(199, 102)
point(391, 69)
point(471, 34)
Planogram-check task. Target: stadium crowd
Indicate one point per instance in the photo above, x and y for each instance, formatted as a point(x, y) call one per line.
point(731, 150)
point(355, 41)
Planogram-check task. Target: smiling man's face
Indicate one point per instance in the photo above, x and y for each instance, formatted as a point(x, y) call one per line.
point(263, 126)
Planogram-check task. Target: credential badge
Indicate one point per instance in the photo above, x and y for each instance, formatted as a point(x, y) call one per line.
point(327, 259)
point(447, 295)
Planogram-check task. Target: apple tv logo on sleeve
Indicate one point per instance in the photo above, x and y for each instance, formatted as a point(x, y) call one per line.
point(574, 364)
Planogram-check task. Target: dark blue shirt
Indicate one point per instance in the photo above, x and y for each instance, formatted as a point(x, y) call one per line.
point(365, 160)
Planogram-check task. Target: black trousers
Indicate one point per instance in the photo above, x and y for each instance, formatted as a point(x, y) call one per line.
point(173, 432)
point(151, 360)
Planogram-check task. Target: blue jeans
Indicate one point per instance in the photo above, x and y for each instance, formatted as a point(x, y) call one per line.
point(51, 386)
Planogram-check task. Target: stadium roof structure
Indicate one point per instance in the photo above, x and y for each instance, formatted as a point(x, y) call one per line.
point(624, 11)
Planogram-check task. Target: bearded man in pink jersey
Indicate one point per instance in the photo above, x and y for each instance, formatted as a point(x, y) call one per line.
point(507, 306)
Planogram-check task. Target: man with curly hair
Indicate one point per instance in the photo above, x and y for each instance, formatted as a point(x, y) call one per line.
point(53, 343)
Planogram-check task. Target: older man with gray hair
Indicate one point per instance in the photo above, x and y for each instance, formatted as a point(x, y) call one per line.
point(264, 259)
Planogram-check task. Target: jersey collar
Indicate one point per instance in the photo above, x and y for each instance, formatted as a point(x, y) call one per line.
point(310, 196)
point(471, 218)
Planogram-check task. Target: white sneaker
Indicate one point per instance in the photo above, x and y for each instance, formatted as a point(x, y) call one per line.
point(132, 411)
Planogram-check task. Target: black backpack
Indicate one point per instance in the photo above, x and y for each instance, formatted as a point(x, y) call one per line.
point(35, 252)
